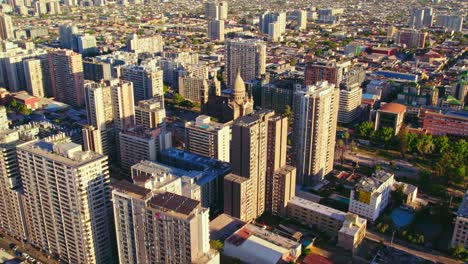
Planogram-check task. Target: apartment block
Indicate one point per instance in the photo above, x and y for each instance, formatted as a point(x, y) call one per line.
point(147, 81)
point(460, 236)
point(208, 138)
point(160, 227)
point(246, 56)
point(150, 44)
point(72, 188)
point(315, 119)
point(150, 113)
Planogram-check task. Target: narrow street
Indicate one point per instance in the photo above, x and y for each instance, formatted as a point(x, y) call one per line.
point(416, 250)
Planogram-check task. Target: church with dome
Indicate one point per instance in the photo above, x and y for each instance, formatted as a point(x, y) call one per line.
point(228, 108)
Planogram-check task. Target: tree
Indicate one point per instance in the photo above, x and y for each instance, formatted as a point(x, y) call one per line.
point(178, 98)
point(398, 195)
point(384, 135)
point(365, 129)
point(292, 62)
point(217, 245)
point(346, 137)
point(460, 252)
point(425, 145)
point(341, 147)
point(288, 113)
point(187, 104)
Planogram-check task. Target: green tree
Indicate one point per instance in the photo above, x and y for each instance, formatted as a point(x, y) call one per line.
point(460, 252)
point(441, 144)
point(217, 245)
point(187, 104)
point(288, 113)
point(292, 62)
point(178, 98)
point(425, 145)
point(165, 88)
point(398, 195)
point(384, 135)
point(365, 129)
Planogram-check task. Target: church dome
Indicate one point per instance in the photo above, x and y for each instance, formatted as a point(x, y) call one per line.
point(238, 91)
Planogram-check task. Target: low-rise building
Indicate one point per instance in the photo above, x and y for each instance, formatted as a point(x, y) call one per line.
point(390, 115)
point(253, 244)
point(452, 123)
point(371, 195)
point(460, 234)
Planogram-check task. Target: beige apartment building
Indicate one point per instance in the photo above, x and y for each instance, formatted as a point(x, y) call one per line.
point(246, 56)
point(315, 120)
point(67, 200)
point(160, 227)
point(208, 138)
point(150, 113)
point(123, 104)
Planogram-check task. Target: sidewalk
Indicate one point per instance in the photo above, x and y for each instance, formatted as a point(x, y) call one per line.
point(25, 248)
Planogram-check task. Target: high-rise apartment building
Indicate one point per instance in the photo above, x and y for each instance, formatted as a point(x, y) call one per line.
point(411, 38)
point(268, 18)
point(160, 227)
point(216, 10)
point(47, 7)
point(12, 219)
point(67, 37)
point(123, 104)
point(246, 56)
point(301, 19)
point(208, 138)
point(249, 161)
point(421, 18)
point(6, 27)
point(151, 44)
point(216, 29)
point(274, 32)
point(137, 144)
point(315, 120)
point(96, 70)
point(350, 95)
point(67, 200)
point(280, 178)
point(193, 88)
point(33, 71)
point(3, 118)
point(331, 72)
point(450, 22)
point(150, 113)
point(147, 81)
point(86, 44)
point(66, 71)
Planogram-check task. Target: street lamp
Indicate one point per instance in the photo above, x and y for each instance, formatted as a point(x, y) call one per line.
point(393, 235)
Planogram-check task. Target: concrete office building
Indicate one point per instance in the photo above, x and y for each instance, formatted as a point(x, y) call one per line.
point(150, 113)
point(249, 161)
point(96, 71)
point(151, 44)
point(246, 56)
point(460, 237)
point(208, 138)
point(6, 27)
point(268, 18)
point(137, 144)
point(216, 30)
point(147, 81)
point(66, 71)
point(123, 104)
point(160, 227)
point(390, 115)
point(371, 195)
point(315, 120)
point(71, 187)
point(35, 80)
point(193, 88)
point(217, 10)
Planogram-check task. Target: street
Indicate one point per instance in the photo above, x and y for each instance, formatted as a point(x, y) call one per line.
point(416, 250)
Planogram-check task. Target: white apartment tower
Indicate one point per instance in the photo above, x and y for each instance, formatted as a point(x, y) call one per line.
point(6, 27)
point(315, 120)
point(216, 10)
point(208, 138)
point(67, 202)
point(216, 29)
point(246, 56)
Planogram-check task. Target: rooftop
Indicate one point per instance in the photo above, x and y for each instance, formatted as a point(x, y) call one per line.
point(250, 230)
point(393, 108)
point(321, 209)
point(463, 209)
point(369, 184)
point(173, 202)
point(131, 189)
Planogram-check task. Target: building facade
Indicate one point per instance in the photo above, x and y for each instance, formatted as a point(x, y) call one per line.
point(246, 56)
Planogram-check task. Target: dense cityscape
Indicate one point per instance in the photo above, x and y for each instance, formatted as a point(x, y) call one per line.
point(209, 131)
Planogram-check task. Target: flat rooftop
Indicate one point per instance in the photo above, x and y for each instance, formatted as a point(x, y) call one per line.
point(131, 189)
point(463, 209)
point(174, 202)
point(369, 184)
point(223, 226)
point(318, 208)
